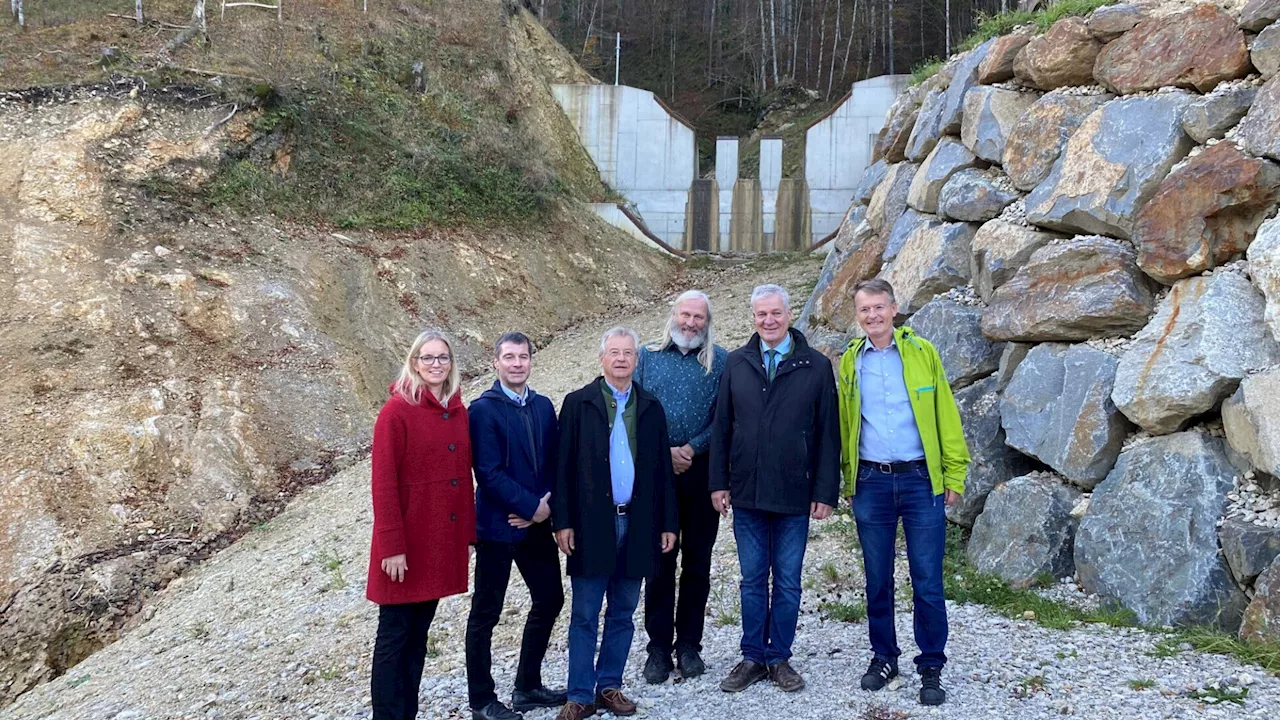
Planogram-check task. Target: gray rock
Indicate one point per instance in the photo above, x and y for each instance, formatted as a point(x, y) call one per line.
point(871, 177)
point(1026, 531)
point(933, 260)
point(1149, 539)
point(928, 129)
point(1264, 268)
point(852, 232)
point(947, 158)
point(976, 195)
point(907, 224)
point(1259, 132)
point(824, 279)
point(889, 200)
point(956, 331)
point(1205, 337)
point(1058, 409)
point(989, 115)
point(1262, 617)
point(1010, 358)
point(966, 77)
point(1111, 21)
point(1265, 51)
point(1258, 14)
point(891, 143)
point(1000, 249)
point(1036, 141)
point(1112, 165)
point(1213, 115)
point(1251, 419)
point(1248, 548)
point(993, 461)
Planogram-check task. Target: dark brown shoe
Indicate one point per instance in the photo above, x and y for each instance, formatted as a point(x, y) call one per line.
point(614, 701)
point(744, 675)
point(786, 677)
point(575, 711)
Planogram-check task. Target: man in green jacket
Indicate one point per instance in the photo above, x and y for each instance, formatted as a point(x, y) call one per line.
point(904, 456)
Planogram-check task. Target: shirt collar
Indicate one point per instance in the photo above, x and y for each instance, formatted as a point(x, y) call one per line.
point(522, 398)
point(783, 347)
point(893, 345)
point(619, 396)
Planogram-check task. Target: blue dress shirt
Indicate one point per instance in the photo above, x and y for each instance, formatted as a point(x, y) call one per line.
point(622, 471)
point(520, 399)
point(889, 432)
point(783, 349)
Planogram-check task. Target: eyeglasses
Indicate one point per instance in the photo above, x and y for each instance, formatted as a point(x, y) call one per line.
point(435, 359)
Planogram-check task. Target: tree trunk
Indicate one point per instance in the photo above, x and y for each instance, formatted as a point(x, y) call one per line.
point(137, 11)
point(853, 31)
point(822, 44)
point(764, 51)
point(947, 10)
point(889, 19)
point(835, 46)
point(711, 42)
point(773, 39)
point(197, 27)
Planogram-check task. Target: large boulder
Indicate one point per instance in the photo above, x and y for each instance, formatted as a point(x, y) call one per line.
point(907, 224)
point(825, 277)
point(1013, 355)
point(1112, 165)
point(1205, 337)
point(927, 130)
point(1257, 14)
point(1072, 291)
point(1111, 21)
point(891, 143)
point(955, 329)
point(989, 115)
point(1026, 531)
point(1251, 419)
point(1264, 267)
point(889, 200)
point(1036, 140)
point(1261, 621)
point(1249, 548)
point(1259, 132)
point(1058, 409)
point(1205, 213)
point(1265, 51)
point(1000, 249)
point(1195, 50)
point(965, 77)
point(1211, 116)
point(834, 306)
point(870, 180)
point(992, 461)
point(975, 195)
point(933, 260)
point(1149, 539)
point(947, 158)
point(1062, 57)
point(997, 66)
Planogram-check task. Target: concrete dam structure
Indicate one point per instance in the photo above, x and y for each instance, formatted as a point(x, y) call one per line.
point(648, 154)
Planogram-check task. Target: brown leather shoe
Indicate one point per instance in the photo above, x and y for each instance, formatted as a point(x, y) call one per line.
point(786, 677)
point(614, 701)
point(743, 675)
point(575, 711)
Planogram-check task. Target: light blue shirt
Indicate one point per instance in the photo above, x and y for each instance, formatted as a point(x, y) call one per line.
point(889, 432)
point(622, 471)
point(783, 349)
point(520, 399)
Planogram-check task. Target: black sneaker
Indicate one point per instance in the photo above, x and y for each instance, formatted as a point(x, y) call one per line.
point(878, 674)
point(690, 663)
point(658, 667)
point(931, 692)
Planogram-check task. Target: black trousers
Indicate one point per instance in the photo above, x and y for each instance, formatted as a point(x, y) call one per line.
point(664, 621)
point(539, 564)
point(398, 655)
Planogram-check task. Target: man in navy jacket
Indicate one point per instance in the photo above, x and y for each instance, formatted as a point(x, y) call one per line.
point(514, 440)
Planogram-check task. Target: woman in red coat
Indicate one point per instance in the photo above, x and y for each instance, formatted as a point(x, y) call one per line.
point(423, 517)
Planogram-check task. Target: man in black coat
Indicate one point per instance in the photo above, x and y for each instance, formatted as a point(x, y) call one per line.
point(614, 512)
point(775, 458)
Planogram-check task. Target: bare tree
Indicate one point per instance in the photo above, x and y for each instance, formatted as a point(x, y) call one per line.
point(198, 26)
point(947, 12)
point(773, 38)
point(16, 7)
point(764, 51)
point(137, 10)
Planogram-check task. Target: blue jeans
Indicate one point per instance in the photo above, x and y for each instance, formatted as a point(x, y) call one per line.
point(769, 541)
point(881, 499)
point(587, 675)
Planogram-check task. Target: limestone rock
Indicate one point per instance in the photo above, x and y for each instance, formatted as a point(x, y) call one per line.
point(1259, 132)
point(1000, 249)
point(933, 260)
point(834, 306)
point(976, 195)
point(989, 115)
point(956, 331)
point(828, 341)
point(947, 158)
point(1264, 268)
point(889, 200)
point(1148, 540)
point(1262, 617)
point(825, 277)
point(1058, 409)
point(1197, 49)
point(1012, 356)
point(1062, 57)
point(1112, 165)
point(993, 461)
point(1205, 213)
point(848, 236)
point(1251, 419)
point(997, 66)
point(1265, 51)
point(907, 224)
point(927, 130)
point(1248, 548)
point(1213, 115)
point(1257, 14)
point(1036, 140)
point(891, 143)
point(1204, 338)
point(871, 178)
point(966, 76)
point(1072, 291)
point(1026, 531)
point(1111, 21)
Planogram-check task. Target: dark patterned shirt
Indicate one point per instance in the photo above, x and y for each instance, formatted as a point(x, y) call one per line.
point(685, 389)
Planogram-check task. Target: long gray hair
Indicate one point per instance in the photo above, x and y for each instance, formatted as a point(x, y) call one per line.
point(706, 353)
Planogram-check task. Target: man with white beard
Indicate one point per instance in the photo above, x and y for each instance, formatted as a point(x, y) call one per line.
point(683, 370)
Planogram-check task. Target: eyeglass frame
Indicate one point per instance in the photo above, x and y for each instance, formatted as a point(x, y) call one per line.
point(430, 360)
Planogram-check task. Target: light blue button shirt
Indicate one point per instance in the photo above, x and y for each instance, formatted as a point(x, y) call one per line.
point(889, 432)
point(783, 349)
point(520, 399)
point(622, 471)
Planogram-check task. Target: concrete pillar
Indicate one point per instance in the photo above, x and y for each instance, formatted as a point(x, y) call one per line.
point(770, 179)
point(726, 177)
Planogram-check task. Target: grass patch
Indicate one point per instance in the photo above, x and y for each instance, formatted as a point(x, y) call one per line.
point(1141, 684)
point(1217, 694)
point(991, 26)
point(1212, 640)
point(844, 612)
point(924, 70)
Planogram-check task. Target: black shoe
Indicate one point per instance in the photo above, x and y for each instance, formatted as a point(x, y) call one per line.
point(878, 674)
point(657, 668)
point(526, 700)
point(931, 692)
point(495, 711)
point(689, 662)
point(744, 675)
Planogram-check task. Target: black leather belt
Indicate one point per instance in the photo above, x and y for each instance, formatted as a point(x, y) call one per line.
point(895, 467)
point(621, 509)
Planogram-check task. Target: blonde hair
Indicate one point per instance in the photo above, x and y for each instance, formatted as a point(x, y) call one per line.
point(706, 353)
point(410, 385)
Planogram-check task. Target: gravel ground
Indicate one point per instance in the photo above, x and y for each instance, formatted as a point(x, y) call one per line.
point(277, 626)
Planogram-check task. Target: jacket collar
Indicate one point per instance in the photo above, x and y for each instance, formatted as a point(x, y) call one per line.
point(643, 398)
point(902, 335)
point(799, 348)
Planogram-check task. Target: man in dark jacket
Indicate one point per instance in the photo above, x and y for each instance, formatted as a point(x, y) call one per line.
point(614, 513)
point(775, 457)
point(513, 443)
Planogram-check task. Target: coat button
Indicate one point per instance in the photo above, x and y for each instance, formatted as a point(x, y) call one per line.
point(452, 447)
point(446, 416)
point(453, 516)
point(454, 482)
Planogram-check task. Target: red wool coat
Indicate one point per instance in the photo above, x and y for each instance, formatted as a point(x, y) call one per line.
point(423, 499)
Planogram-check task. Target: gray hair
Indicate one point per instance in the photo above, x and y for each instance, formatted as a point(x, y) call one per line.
point(875, 286)
point(763, 291)
point(619, 331)
point(707, 353)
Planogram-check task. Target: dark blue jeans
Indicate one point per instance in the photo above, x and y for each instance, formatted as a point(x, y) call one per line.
point(880, 500)
point(587, 675)
point(769, 542)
